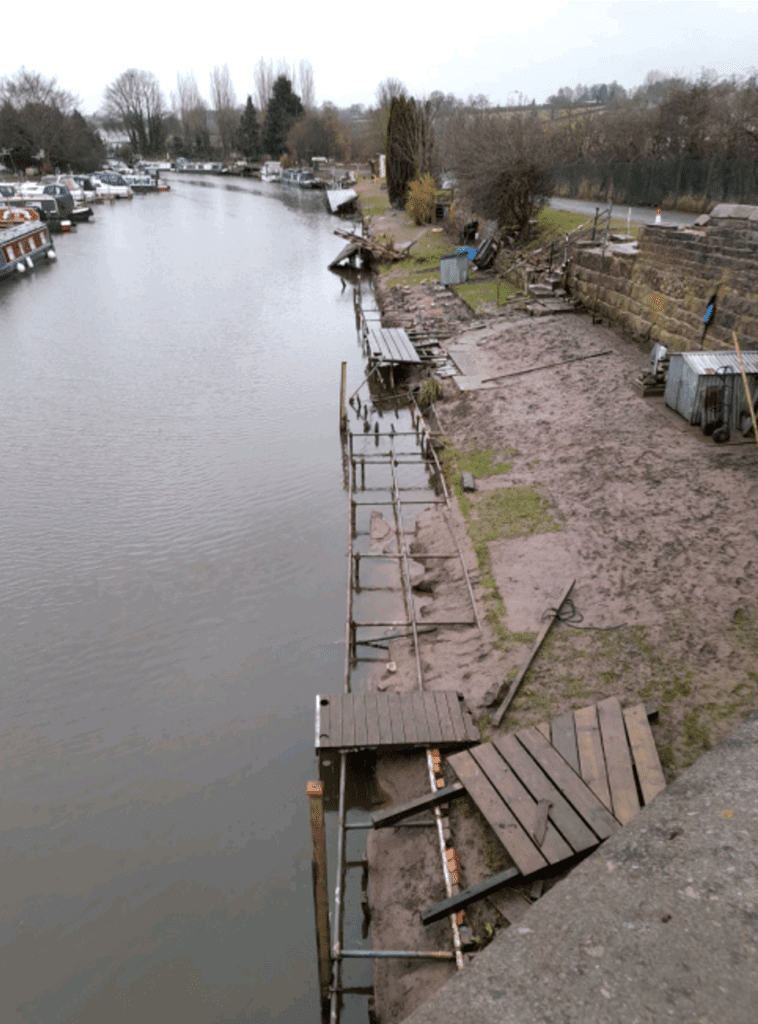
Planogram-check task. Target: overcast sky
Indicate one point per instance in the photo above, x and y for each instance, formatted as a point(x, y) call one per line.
point(499, 49)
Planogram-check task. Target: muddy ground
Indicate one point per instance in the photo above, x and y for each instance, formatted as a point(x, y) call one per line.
point(657, 525)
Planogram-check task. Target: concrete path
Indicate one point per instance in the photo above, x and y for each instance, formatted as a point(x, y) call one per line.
point(661, 923)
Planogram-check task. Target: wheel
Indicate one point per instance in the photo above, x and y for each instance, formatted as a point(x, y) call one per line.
point(721, 434)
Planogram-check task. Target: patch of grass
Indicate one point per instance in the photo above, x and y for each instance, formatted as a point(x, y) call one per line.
point(476, 293)
point(503, 512)
point(431, 391)
point(695, 733)
point(511, 512)
point(485, 725)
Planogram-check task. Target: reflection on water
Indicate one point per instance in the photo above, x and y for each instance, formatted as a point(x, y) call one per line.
point(173, 559)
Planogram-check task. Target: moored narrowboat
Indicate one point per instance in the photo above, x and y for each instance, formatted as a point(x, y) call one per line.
point(22, 245)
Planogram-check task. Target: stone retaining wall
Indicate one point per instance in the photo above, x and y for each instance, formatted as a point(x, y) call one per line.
point(661, 293)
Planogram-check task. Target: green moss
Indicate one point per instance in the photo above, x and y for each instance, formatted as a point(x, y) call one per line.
point(511, 512)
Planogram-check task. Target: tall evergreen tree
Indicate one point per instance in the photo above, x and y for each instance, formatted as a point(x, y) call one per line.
point(402, 148)
point(248, 136)
point(284, 109)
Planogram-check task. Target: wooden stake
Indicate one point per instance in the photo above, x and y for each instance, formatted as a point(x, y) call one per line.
point(315, 793)
point(498, 716)
point(747, 387)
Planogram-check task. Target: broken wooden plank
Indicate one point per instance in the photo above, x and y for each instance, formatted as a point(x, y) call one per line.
point(547, 366)
point(498, 716)
point(383, 819)
point(462, 900)
point(646, 760)
point(510, 905)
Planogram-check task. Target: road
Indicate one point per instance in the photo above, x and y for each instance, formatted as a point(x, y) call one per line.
point(640, 214)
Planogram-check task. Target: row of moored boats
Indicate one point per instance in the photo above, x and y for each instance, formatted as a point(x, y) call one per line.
point(31, 212)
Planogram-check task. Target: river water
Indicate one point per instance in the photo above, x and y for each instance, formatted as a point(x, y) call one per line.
point(173, 544)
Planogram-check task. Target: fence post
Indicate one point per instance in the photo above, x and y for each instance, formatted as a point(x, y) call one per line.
point(315, 793)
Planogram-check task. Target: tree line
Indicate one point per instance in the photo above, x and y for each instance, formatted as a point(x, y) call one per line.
point(670, 137)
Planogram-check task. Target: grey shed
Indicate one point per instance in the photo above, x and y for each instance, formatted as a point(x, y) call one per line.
point(454, 268)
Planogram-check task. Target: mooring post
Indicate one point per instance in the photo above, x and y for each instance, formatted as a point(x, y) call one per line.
point(315, 793)
point(343, 409)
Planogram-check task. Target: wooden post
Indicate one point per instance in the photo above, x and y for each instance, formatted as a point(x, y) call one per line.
point(343, 409)
point(315, 793)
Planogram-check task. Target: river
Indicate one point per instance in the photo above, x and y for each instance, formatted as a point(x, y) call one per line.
point(174, 533)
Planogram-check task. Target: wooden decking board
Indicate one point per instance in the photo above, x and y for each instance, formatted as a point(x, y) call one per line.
point(572, 827)
point(324, 710)
point(372, 719)
point(348, 720)
point(525, 854)
point(646, 760)
point(564, 738)
point(591, 756)
point(520, 802)
point(385, 728)
point(335, 716)
point(391, 344)
point(399, 735)
point(544, 728)
point(443, 713)
point(618, 761)
point(359, 717)
point(414, 707)
point(577, 792)
point(432, 717)
point(456, 713)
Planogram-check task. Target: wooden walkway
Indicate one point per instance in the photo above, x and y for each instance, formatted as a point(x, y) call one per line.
point(389, 345)
point(359, 721)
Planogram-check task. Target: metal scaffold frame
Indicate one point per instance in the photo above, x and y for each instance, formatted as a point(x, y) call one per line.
point(330, 969)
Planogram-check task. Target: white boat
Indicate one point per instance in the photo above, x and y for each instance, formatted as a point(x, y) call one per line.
point(271, 171)
point(115, 182)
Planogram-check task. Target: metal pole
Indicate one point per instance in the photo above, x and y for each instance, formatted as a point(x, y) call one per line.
point(343, 409)
point(338, 891)
point(350, 530)
point(315, 793)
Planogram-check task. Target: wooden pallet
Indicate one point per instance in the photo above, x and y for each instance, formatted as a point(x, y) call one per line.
point(390, 344)
point(359, 721)
point(555, 791)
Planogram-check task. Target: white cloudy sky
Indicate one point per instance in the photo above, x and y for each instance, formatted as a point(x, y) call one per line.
point(498, 49)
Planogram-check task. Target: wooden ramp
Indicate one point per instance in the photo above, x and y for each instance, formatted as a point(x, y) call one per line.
point(360, 721)
point(556, 791)
point(389, 345)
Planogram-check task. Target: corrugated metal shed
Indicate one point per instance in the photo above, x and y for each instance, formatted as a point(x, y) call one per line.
point(694, 380)
point(454, 268)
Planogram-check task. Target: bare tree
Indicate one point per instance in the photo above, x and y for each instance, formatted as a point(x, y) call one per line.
point(224, 101)
point(190, 108)
point(136, 100)
point(389, 89)
point(502, 166)
point(263, 79)
point(45, 106)
point(306, 88)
